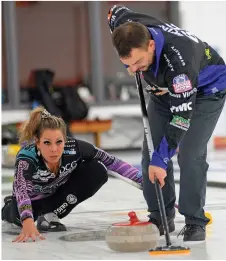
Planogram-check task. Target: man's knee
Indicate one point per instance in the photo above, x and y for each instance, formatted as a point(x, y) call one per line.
point(188, 155)
point(191, 164)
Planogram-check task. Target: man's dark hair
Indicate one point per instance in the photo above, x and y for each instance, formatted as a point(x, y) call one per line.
point(128, 36)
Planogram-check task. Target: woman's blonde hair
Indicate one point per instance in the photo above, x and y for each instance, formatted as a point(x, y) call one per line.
point(40, 119)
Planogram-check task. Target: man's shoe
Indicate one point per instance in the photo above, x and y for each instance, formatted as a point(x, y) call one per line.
point(193, 233)
point(171, 225)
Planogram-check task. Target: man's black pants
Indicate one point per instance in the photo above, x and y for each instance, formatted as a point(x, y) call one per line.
point(191, 158)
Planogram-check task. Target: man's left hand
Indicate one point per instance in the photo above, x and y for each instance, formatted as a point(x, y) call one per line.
point(159, 93)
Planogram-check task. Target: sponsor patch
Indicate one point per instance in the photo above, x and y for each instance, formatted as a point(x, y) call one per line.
point(180, 122)
point(184, 94)
point(214, 90)
point(25, 207)
point(71, 199)
point(71, 152)
point(175, 95)
point(188, 94)
point(61, 209)
point(182, 107)
point(208, 53)
point(166, 160)
point(181, 83)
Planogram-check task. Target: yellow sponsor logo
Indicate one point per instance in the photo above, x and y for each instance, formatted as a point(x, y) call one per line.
point(208, 54)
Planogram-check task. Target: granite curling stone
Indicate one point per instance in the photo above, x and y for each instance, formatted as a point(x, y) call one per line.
point(132, 236)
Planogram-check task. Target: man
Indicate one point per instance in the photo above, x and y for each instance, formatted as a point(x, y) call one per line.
point(187, 86)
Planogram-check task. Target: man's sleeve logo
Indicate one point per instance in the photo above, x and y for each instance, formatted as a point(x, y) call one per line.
point(181, 83)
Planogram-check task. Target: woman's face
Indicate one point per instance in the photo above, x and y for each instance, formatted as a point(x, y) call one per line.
point(51, 145)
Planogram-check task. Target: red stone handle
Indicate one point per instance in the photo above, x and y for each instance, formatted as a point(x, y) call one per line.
point(133, 217)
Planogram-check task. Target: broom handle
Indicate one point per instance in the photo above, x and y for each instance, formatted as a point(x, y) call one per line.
point(130, 182)
point(126, 179)
point(147, 132)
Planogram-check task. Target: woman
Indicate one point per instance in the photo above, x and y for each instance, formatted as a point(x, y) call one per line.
point(55, 173)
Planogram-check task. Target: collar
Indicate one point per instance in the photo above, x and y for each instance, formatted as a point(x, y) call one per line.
point(158, 37)
point(47, 166)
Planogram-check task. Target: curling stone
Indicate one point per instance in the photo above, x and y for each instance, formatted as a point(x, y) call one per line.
point(132, 236)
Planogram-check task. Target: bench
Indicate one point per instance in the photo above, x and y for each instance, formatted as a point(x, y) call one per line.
point(95, 127)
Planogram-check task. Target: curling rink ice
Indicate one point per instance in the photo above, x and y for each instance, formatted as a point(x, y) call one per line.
point(88, 222)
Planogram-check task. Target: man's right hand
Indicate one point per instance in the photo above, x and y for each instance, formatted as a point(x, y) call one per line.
point(157, 172)
point(29, 230)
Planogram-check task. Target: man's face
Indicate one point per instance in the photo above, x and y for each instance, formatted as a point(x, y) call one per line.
point(140, 58)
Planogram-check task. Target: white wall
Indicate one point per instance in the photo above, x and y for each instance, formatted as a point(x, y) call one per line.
point(207, 20)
